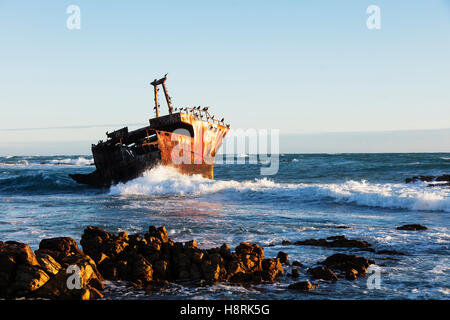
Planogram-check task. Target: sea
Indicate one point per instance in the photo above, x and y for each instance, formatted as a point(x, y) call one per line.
point(311, 196)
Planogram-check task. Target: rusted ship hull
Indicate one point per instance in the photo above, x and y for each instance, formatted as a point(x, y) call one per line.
point(187, 141)
point(179, 140)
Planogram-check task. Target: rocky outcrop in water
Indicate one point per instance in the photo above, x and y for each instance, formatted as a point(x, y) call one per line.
point(412, 227)
point(334, 242)
point(302, 286)
point(432, 181)
point(351, 266)
point(49, 272)
point(154, 259)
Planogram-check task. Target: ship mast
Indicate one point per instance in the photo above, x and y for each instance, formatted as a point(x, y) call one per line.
point(155, 85)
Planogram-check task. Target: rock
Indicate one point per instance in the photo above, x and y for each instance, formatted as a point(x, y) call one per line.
point(74, 283)
point(322, 273)
point(347, 263)
point(28, 279)
point(445, 177)
point(420, 178)
point(284, 257)
point(62, 246)
point(48, 264)
point(21, 253)
point(335, 242)
point(225, 251)
point(390, 252)
point(412, 227)
point(302, 286)
point(351, 274)
point(297, 264)
point(295, 273)
point(272, 269)
point(211, 271)
point(191, 244)
point(436, 181)
point(159, 233)
point(20, 272)
point(142, 269)
point(285, 242)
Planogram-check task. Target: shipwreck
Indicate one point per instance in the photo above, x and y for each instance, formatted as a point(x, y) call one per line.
point(187, 139)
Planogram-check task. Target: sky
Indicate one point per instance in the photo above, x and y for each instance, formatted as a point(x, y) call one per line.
point(311, 69)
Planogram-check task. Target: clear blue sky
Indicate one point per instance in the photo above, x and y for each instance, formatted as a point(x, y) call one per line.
point(298, 66)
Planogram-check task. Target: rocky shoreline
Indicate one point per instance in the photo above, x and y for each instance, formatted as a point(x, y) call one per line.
point(59, 269)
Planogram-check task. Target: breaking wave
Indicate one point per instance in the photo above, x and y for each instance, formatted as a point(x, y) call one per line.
point(167, 181)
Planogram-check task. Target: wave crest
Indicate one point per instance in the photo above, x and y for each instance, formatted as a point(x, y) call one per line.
point(167, 181)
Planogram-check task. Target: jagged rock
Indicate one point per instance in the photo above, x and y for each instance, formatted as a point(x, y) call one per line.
point(412, 227)
point(48, 264)
point(142, 269)
point(69, 284)
point(420, 178)
point(347, 263)
point(211, 271)
point(302, 286)
point(428, 179)
point(61, 246)
point(28, 279)
point(295, 273)
point(297, 264)
point(334, 242)
point(272, 269)
point(284, 257)
point(21, 253)
point(285, 242)
point(20, 272)
point(159, 233)
point(390, 252)
point(322, 273)
point(351, 274)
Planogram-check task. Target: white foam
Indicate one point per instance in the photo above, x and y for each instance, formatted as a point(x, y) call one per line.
point(167, 181)
point(80, 161)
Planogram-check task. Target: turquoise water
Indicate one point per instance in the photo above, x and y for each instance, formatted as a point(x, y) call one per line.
point(308, 197)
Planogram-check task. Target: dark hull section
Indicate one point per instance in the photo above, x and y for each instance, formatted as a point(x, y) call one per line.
point(117, 164)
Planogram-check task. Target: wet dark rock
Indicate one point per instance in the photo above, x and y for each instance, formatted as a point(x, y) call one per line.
point(351, 274)
point(48, 264)
point(295, 273)
point(286, 242)
point(412, 227)
point(159, 233)
point(61, 246)
point(433, 181)
point(420, 178)
point(348, 264)
point(390, 252)
point(302, 286)
point(322, 273)
point(149, 262)
point(271, 269)
point(284, 257)
point(20, 272)
point(334, 242)
point(77, 279)
point(297, 264)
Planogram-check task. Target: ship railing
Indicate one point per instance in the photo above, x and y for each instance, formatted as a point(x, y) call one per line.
point(201, 114)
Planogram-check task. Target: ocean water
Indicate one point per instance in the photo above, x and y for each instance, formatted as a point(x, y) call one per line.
point(309, 197)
